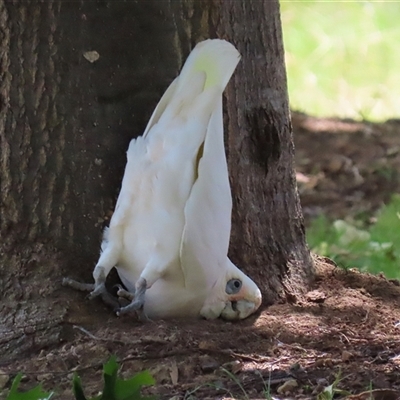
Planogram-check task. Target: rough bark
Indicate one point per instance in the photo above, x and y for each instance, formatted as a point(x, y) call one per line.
point(65, 124)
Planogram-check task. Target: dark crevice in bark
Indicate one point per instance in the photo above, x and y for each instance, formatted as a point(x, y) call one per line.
point(266, 140)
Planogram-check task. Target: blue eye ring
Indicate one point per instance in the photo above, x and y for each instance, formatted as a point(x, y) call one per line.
point(233, 286)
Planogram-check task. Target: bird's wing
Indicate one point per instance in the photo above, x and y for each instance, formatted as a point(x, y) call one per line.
point(161, 106)
point(205, 239)
point(161, 164)
point(214, 58)
point(207, 212)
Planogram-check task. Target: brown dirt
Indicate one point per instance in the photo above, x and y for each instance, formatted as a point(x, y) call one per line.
point(345, 328)
point(345, 168)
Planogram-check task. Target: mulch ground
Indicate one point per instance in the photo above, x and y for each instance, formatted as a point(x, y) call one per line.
point(346, 330)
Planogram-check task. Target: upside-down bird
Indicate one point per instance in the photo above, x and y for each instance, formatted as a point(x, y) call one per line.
point(169, 235)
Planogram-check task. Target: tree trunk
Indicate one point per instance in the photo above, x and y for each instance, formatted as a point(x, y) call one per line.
point(78, 81)
point(268, 238)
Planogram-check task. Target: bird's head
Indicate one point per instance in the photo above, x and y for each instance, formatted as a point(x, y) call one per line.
point(234, 296)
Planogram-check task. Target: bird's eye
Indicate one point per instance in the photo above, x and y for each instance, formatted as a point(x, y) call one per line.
point(233, 286)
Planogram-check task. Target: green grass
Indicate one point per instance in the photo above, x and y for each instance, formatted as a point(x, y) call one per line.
point(343, 57)
point(374, 248)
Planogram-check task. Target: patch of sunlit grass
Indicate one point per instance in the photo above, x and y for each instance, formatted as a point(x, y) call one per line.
point(342, 57)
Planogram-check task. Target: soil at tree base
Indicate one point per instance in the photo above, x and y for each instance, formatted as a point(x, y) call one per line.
point(346, 328)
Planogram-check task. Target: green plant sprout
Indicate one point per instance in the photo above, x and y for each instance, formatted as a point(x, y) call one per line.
point(329, 392)
point(34, 394)
point(114, 388)
point(237, 381)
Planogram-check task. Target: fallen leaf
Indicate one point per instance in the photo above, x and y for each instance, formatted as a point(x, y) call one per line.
point(288, 386)
point(4, 378)
point(174, 373)
point(346, 355)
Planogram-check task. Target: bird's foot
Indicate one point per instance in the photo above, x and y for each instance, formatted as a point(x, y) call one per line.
point(106, 297)
point(124, 297)
point(95, 291)
point(136, 300)
point(125, 294)
point(98, 290)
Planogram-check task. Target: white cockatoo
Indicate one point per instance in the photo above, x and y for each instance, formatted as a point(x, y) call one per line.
point(169, 234)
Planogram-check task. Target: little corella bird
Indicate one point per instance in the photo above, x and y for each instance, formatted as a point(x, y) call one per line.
point(168, 237)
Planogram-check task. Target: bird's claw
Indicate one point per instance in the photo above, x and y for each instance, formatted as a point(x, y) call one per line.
point(95, 291)
point(106, 297)
point(125, 294)
point(98, 290)
point(136, 299)
point(135, 308)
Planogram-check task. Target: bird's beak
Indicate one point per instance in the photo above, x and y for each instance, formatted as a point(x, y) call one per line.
point(239, 309)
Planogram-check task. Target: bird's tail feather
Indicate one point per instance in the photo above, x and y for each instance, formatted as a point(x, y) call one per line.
point(216, 58)
point(209, 66)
